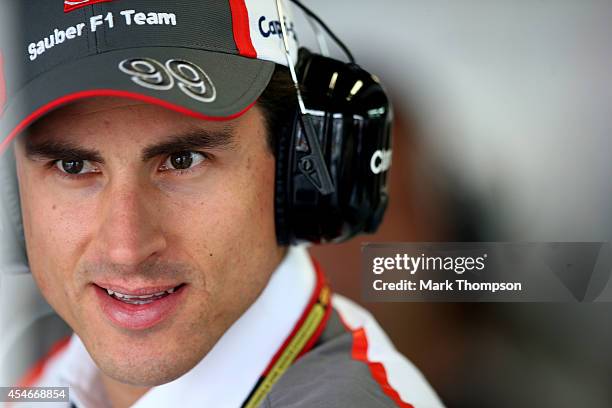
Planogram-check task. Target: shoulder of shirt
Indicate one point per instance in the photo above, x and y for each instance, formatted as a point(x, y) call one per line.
point(353, 364)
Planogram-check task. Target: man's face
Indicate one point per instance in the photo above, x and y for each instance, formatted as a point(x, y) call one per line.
point(122, 195)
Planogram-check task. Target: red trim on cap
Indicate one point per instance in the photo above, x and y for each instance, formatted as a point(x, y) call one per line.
point(242, 30)
point(2, 85)
point(359, 352)
point(34, 374)
point(109, 92)
point(70, 5)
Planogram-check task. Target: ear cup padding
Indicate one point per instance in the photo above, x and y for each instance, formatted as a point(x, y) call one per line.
point(283, 180)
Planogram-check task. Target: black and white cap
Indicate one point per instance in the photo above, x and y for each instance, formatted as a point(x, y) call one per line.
point(207, 58)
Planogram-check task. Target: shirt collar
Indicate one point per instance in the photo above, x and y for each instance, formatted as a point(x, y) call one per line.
point(228, 373)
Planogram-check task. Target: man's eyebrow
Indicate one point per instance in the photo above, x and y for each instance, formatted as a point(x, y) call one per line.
point(56, 150)
point(194, 139)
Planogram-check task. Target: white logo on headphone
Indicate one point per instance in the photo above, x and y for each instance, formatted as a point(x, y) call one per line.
point(380, 161)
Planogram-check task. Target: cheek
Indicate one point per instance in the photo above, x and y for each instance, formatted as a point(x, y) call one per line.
point(247, 207)
point(55, 228)
point(231, 226)
point(55, 232)
point(236, 206)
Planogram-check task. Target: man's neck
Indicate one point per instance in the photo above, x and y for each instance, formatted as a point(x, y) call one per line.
point(122, 395)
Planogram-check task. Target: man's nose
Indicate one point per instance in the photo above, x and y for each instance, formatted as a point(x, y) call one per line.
point(130, 230)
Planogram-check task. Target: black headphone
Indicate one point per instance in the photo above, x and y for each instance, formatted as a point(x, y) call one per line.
point(332, 160)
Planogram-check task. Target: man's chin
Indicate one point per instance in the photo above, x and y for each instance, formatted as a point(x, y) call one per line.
point(143, 371)
point(143, 361)
point(140, 377)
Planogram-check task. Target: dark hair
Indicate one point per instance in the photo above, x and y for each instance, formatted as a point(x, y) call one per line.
point(278, 103)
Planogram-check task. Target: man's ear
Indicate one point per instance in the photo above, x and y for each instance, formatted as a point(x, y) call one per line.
point(13, 258)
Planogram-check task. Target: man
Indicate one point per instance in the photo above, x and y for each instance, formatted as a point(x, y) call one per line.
point(146, 165)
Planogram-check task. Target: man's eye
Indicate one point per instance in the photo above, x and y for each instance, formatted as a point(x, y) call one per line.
point(183, 161)
point(75, 167)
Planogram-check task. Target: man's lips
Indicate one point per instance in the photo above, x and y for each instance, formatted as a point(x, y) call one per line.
point(140, 291)
point(138, 312)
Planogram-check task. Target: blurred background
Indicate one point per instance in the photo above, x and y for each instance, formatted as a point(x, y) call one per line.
point(503, 134)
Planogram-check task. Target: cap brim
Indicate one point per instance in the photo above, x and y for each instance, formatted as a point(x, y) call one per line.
point(238, 82)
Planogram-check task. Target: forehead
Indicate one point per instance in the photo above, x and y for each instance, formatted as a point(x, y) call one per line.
point(124, 115)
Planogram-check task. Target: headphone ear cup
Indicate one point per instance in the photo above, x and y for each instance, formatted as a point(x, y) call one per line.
point(351, 116)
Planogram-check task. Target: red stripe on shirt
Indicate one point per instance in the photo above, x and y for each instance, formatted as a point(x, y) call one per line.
point(314, 297)
point(359, 352)
point(34, 374)
point(242, 30)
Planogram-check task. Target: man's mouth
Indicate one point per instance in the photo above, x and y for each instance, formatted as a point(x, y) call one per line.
point(141, 299)
point(138, 309)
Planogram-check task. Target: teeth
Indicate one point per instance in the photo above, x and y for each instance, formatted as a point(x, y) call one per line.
point(123, 296)
point(141, 302)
